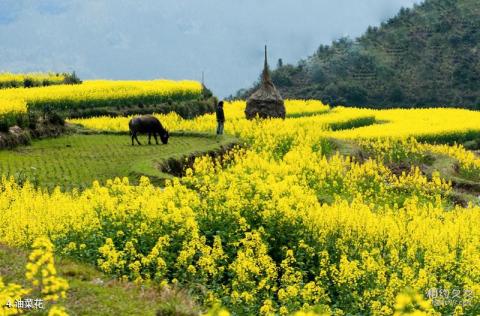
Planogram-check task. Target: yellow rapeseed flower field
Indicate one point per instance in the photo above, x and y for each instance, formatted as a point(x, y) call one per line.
point(93, 93)
point(12, 105)
point(42, 276)
point(429, 124)
point(284, 223)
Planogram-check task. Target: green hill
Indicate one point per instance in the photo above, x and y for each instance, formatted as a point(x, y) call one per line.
point(425, 56)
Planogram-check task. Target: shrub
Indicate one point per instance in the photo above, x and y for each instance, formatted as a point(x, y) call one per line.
point(10, 119)
point(71, 78)
point(28, 82)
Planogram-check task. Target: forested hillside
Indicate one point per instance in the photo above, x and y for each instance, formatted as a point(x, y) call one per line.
point(425, 56)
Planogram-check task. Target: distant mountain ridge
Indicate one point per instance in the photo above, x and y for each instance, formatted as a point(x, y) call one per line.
point(423, 57)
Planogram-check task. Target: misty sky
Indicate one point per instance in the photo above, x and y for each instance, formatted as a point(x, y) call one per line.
point(176, 39)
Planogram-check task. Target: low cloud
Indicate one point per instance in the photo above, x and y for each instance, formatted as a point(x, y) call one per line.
point(178, 39)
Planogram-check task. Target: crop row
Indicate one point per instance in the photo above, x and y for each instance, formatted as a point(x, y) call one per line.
point(29, 80)
point(71, 99)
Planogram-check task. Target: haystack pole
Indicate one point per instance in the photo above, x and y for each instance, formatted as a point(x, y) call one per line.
point(266, 102)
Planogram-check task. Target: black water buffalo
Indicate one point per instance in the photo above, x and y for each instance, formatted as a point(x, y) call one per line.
point(147, 124)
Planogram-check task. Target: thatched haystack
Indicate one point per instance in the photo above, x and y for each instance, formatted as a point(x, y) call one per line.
point(266, 101)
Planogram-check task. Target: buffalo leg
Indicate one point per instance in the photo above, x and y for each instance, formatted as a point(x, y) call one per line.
point(136, 138)
point(155, 136)
point(149, 138)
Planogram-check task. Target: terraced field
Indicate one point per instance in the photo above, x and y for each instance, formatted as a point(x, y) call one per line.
point(337, 211)
point(78, 160)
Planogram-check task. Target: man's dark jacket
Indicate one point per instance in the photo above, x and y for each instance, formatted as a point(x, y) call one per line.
point(220, 114)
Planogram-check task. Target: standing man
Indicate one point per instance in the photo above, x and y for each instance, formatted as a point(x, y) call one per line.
point(220, 118)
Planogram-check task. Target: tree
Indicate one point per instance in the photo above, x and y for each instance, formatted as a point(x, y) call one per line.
point(279, 63)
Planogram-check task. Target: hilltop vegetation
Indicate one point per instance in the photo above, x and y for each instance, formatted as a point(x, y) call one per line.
point(423, 57)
